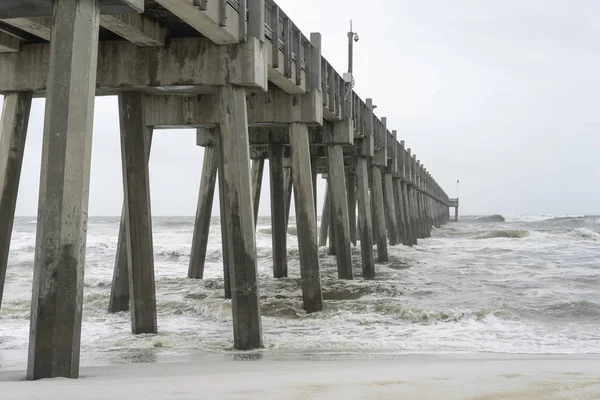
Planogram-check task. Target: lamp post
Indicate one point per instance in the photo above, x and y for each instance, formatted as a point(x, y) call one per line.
point(352, 37)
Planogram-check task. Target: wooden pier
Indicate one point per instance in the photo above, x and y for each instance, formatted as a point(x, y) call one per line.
point(255, 88)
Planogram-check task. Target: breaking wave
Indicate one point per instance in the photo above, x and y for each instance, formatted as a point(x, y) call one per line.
point(510, 234)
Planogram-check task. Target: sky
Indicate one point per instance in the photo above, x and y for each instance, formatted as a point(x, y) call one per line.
point(502, 95)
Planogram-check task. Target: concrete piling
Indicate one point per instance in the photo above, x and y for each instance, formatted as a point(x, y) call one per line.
point(306, 222)
point(204, 212)
point(55, 331)
point(119, 290)
point(351, 190)
point(13, 132)
point(135, 143)
point(390, 209)
point(379, 221)
point(339, 215)
point(364, 217)
point(258, 167)
point(239, 218)
point(325, 217)
point(278, 213)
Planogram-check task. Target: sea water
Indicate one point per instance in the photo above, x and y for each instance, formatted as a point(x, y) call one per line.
point(501, 284)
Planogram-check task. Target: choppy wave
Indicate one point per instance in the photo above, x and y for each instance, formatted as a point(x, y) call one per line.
point(491, 218)
point(512, 217)
point(510, 234)
point(583, 233)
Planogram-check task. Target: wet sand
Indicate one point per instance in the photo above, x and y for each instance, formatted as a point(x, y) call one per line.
point(326, 376)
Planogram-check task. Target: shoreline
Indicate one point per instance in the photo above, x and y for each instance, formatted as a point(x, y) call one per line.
point(278, 375)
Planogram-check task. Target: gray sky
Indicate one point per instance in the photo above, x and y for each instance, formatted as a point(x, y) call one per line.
point(502, 95)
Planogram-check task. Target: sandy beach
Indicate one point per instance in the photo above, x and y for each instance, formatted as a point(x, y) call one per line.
point(321, 376)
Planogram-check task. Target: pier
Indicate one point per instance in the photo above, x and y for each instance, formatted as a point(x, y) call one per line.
point(255, 88)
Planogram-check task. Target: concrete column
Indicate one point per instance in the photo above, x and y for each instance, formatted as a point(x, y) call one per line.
point(287, 179)
point(55, 331)
point(313, 168)
point(223, 211)
point(13, 132)
point(350, 188)
point(278, 217)
point(258, 167)
point(337, 183)
point(332, 242)
point(455, 214)
point(325, 217)
point(203, 212)
point(306, 221)
point(400, 212)
point(119, 290)
point(378, 215)
point(408, 214)
point(414, 212)
point(390, 209)
point(135, 143)
point(364, 218)
point(239, 218)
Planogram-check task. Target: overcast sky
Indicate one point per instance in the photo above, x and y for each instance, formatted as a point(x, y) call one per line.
point(502, 95)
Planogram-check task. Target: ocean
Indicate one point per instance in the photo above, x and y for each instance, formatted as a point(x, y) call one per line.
point(496, 284)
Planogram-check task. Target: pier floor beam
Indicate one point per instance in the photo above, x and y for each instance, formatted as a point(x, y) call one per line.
point(390, 209)
point(339, 220)
point(278, 217)
point(13, 132)
point(378, 214)
point(135, 143)
point(306, 221)
point(364, 218)
point(239, 218)
point(325, 217)
point(55, 330)
point(203, 212)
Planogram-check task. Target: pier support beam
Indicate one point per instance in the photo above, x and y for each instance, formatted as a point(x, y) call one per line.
point(13, 132)
point(390, 208)
point(203, 212)
point(258, 167)
point(306, 221)
point(339, 216)
point(364, 218)
point(239, 218)
point(135, 144)
point(278, 217)
point(55, 330)
point(378, 214)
